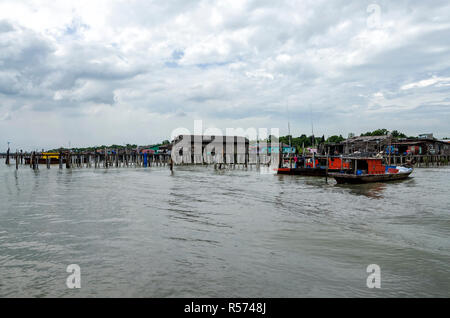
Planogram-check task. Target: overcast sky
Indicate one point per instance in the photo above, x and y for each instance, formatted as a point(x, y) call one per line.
point(102, 72)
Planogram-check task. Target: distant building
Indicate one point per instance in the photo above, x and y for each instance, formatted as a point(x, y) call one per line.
point(148, 151)
point(425, 144)
point(426, 136)
point(201, 148)
point(267, 148)
point(421, 146)
point(363, 144)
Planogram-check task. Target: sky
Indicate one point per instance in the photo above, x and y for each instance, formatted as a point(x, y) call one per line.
point(100, 72)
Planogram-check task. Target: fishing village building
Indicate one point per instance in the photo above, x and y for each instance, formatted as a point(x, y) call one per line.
point(264, 147)
point(199, 149)
point(424, 144)
point(362, 144)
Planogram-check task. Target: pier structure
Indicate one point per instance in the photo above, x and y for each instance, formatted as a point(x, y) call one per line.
point(224, 152)
point(217, 152)
point(419, 161)
point(104, 159)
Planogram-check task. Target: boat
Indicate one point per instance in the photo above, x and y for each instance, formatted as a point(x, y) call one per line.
point(367, 170)
point(315, 166)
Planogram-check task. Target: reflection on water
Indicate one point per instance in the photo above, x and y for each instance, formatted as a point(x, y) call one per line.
point(376, 190)
point(229, 233)
point(371, 190)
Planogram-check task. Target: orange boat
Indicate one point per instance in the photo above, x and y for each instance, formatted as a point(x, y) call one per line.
point(366, 170)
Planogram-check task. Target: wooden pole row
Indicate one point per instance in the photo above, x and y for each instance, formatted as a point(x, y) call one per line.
point(223, 161)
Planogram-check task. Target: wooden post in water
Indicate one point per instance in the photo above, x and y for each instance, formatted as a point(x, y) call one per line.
point(36, 162)
point(326, 172)
point(7, 156)
point(68, 160)
point(290, 155)
point(48, 162)
point(17, 160)
point(257, 153)
point(280, 155)
point(390, 150)
point(303, 154)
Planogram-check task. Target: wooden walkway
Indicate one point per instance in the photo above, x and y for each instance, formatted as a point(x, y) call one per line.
point(133, 159)
point(89, 160)
point(421, 161)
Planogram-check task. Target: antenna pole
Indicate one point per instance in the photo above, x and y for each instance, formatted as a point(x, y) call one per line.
point(289, 134)
point(312, 127)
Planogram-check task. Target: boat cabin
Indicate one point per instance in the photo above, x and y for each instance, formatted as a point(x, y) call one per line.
point(367, 166)
point(336, 163)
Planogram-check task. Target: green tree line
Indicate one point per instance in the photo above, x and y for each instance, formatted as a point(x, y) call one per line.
point(298, 142)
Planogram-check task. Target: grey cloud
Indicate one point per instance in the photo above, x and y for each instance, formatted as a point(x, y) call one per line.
point(5, 27)
point(30, 67)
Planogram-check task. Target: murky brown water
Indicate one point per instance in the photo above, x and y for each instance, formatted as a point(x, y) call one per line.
point(145, 233)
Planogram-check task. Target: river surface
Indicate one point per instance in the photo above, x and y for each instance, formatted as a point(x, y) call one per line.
point(141, 232)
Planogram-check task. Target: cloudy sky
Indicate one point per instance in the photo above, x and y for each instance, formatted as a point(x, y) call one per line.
point(102, 72)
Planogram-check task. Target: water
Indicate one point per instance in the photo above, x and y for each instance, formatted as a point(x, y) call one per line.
point(233, 233)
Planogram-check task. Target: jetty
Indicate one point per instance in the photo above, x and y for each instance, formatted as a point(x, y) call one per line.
point(106, 159)
point(224, 152)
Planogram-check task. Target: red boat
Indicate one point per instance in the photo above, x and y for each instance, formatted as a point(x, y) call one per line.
point(366, 170)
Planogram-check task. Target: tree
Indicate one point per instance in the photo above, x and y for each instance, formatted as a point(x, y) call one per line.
point(286, 139)
point(335, 139)
point(397, 134)
point(377, 132)
point(384, 132)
